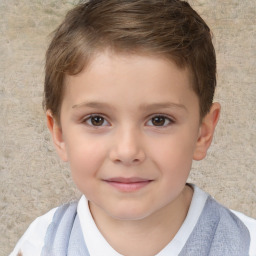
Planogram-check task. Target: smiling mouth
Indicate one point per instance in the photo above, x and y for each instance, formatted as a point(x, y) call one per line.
point(128, 184)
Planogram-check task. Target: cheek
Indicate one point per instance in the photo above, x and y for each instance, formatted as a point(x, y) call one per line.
point(174, 154)
point(85, 163)
point(85, 157)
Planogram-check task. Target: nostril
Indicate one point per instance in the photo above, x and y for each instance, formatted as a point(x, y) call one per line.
point(127, 161)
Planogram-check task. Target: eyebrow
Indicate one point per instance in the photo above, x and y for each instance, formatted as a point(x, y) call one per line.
point(162, 105)
point(92, 104)
point(148, 107)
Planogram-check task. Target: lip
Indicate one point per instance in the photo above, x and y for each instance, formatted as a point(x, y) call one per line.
point(128, 184)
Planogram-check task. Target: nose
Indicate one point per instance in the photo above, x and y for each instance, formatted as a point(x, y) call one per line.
point(127, 147)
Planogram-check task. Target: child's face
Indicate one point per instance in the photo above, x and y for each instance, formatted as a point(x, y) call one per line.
point(129, 128)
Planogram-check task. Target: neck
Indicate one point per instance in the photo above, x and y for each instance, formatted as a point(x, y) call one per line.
point(159, 228)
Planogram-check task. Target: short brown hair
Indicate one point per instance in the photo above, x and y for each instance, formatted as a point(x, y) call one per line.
point(169, 28)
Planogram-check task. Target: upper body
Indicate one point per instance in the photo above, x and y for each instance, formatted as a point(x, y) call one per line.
point(33, 241)
point(129, 89)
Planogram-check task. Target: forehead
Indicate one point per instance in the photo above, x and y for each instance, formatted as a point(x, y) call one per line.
point(108, 62)
point(143, 78)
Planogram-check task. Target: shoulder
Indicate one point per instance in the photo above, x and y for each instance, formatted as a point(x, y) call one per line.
point(33, 239)
point(230, 225)
point(250, 223)
point(32, 242)
point(215, 208)
point(235, 226)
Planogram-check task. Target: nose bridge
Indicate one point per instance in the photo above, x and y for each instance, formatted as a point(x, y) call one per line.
point(128, 146)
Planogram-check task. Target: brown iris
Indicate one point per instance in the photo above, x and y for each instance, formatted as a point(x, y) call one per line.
point(158, 120)
point(97, 120)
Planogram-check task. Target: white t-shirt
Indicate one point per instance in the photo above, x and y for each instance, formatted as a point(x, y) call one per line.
point(32, 242)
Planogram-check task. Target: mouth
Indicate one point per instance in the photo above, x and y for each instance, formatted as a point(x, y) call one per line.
point(128, 184)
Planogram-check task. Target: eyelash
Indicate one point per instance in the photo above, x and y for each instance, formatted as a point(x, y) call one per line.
point(89, 118)
point(166, 118)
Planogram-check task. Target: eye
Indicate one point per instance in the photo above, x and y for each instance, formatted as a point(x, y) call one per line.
point(96, 120)
point(160, 121)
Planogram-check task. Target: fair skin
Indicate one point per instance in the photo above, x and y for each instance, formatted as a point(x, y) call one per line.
point(130, 129)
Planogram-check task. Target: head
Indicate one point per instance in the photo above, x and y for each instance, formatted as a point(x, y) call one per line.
point(128, 92)
point(167, 28)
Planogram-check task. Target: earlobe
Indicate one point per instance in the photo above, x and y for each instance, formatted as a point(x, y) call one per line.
point(57, 135)
point(206, 132)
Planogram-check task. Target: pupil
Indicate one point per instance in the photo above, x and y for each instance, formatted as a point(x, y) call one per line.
point(97, 120)
point(158, 121)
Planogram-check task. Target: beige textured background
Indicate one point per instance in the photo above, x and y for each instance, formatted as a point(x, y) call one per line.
point(32, 178)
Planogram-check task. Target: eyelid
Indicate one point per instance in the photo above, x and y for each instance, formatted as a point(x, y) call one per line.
point(87, 117)
point(170, 118)
point(163, 115)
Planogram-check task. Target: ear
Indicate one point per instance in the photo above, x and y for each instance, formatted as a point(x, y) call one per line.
point(57, 136)
point(206, 132)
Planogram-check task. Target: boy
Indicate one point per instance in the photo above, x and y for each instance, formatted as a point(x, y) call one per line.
point(129, 87)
